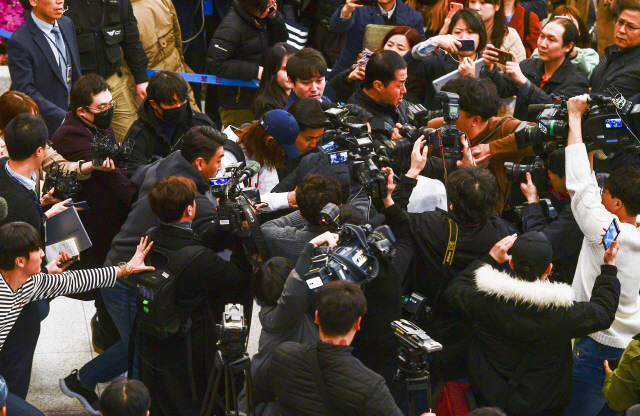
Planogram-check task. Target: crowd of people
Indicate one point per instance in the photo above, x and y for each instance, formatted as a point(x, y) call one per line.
point(537, 314)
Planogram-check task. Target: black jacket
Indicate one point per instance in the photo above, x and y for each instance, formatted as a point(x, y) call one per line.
point(422, 72)
point(430, 232)
point(351, 387)
point(569, 79)
point(202, 290)
point(141, 218)
point(343, 87)
point(514, 320)
point(385, 115)
point(238, 48)
point(564, 234)
point(149, 140)
point(618, 72)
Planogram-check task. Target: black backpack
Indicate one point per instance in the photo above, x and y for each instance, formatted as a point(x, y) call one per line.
point(158, 314)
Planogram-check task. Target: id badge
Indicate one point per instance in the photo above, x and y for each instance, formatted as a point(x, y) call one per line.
point(68, 75)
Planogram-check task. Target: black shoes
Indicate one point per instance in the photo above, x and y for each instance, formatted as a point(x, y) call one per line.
point(71, 386)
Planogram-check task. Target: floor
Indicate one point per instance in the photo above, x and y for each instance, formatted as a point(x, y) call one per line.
point(64, 345)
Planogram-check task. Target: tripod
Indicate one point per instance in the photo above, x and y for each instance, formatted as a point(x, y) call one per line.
point(230, 368)
point(414, 375)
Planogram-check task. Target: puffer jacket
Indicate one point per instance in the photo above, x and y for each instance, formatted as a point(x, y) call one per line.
point(238, 49)
point(287, 377)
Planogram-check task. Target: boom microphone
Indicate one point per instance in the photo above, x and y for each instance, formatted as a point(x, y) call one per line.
point(249, 171)
point(4, 208)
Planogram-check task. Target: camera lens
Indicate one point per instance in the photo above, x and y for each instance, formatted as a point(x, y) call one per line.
point(516, 172)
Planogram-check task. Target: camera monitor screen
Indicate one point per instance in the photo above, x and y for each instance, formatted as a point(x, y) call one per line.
point(328, 147)
point(222, 181)
point(340, 157)
point(613, 123)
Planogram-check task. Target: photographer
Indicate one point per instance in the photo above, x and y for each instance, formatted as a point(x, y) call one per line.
point(324, 378)
point(491, 137)
point(535, 79)
point(564, 234)
point(520, 355)
point(175, 368)
point(594, 211)
point(470, 226)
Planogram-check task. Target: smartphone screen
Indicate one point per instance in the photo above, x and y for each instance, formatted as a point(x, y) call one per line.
point(611, 235)
point(340, 157)
point(456, 6)
point(467, 45)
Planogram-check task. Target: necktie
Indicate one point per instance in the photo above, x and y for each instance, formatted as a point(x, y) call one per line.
point(62, 51)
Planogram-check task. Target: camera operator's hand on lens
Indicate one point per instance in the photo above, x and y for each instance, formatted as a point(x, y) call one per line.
point(106, 166)
point(419, 156)
point(482, 154)
point(348, 8)
point(489, 57)
point(611, 253)
point(467, 158)
point(577, 105)
point(57, 208)
point(512, 68)
point(291, 198)
point(137, 261)
point(447, 43)
point(500, 249)
point(358, 73)
point(396, 132)
point(447, 22)
point(329, 238)
point(466, 67)
point(55, 268)
point(48, 198)
point(529, 190)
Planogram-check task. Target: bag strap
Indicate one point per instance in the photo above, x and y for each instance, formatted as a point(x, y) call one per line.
point(448, 257)
point(312, 355)
point(527, 19)
point(516, 377)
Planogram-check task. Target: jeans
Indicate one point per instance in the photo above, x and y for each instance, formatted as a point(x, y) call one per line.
point(16, 406)
point(121, 303)
point(588, 378)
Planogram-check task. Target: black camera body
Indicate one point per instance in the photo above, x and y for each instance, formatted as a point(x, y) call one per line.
point(65, 185)
point(102, 148)
point(355, 258)
point(232, 331)
point(232, 208)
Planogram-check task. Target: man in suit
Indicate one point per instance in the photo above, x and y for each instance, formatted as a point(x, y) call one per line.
point(44, 60)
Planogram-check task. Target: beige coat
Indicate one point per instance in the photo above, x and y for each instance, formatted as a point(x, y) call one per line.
point(513, 43)
point(50, 156)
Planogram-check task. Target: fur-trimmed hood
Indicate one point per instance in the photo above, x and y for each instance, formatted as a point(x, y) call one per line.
point(541, 293)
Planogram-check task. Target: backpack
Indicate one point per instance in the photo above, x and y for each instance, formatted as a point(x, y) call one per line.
point(158, 314)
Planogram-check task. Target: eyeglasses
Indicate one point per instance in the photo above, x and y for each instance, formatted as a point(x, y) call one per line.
point(621, 22)
point(104, 107)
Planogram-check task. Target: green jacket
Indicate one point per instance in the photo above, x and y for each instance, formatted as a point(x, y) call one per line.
point(586, 59)
point(622, 387)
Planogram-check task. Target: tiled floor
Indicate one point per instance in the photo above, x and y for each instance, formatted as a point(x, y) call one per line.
point(65, 344)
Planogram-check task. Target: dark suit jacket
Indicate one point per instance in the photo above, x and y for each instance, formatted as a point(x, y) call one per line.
point(35, 71)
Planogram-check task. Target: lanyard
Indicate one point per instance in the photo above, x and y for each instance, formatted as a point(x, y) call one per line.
point(66, 60)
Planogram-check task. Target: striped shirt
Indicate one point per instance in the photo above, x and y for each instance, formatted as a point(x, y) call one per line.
point(47, 286)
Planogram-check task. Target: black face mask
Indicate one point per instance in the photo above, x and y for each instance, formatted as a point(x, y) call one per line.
point(103, 120)
point(174, 115)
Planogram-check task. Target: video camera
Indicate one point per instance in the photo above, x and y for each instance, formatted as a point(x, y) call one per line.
point(102, 147)
point(233, 201)
point(444, 140)
point(356, 256)
point(65, 185)
point(232, 331)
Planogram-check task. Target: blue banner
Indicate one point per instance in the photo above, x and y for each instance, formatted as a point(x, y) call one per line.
point(212, 79)
point(5, 33)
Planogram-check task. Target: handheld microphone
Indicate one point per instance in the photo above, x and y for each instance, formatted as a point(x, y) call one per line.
point(4, 208)
point(249, 171)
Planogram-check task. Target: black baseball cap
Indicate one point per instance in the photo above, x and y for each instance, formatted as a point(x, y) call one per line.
point(531, 254)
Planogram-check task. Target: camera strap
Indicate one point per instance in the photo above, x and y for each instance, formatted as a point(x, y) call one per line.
point(493, 132)
point(448, 257)
point(312, 355)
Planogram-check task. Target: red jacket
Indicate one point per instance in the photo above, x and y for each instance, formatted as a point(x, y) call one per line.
point(517, 22)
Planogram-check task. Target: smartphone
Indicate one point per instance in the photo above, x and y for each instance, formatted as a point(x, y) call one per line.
point(81, 204)
point(613, 364)
point(64, 263)
point(611, 235)
point(503, 57)
point(365, 58)
point(271, 9)
point(367, 2)
point(468, 45)
point(340, 157)
point(456, 6)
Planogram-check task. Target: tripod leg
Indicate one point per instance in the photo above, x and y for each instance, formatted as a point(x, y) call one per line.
point(249, 387)
point(210, 395)
point(227, 399)
point(234, 393)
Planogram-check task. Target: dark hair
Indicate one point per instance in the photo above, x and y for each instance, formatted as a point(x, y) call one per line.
point(628, 5)
point(500, 29)
point(254, 7)
point(339, 306)
point(307, 63)
point(24, 135)
point(412, 35)
point(487, 411)
point(170, 196)
point(17, 239)
point(584, 39)
point(269, 280)
point(13, 103)
point(314, 193)
point(165, 85)
point(475, 24)
point(478, 96)
point(308, 113)
point(570, 34)
point(84, 89)
point(269, 91)
point(359, 113)
point(382, 66)
point(253, 140)
point(473, 191)
point(202, 141)
point(624, 184)
point(556, 162)
point(125, 398)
